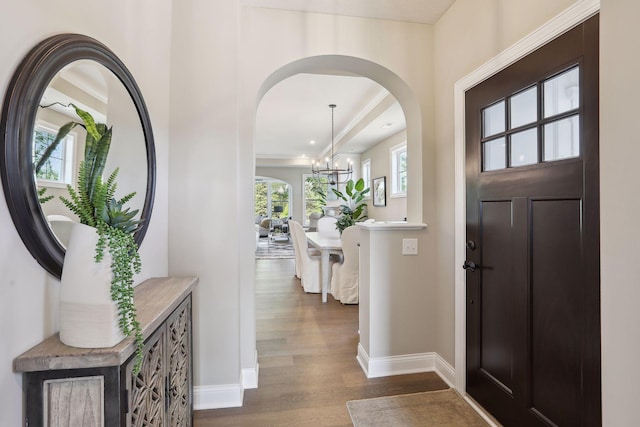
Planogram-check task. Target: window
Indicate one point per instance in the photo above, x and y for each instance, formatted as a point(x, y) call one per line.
point(399, 171)
point(57, 169)
point(315, 195)
point(271, 198)
point(540, 123)
point(366, 175)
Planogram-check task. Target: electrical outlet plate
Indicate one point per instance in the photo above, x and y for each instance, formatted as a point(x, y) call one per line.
point(409, 246)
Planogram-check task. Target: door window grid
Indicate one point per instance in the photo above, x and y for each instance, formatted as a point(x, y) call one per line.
point(540, 123)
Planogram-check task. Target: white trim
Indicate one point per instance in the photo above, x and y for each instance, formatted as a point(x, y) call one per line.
point(405, 364)
point(566, 20)
point(445, 370)
point(394, 171)
point(217, 396)
point(367, 182)
point(479, 409)
point(250, 375)
point(391, 225)
point(363, 359)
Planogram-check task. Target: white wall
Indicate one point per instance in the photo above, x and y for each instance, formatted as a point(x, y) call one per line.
point(223, 55)
point(380, 156)
point(218, 46)
point(138, 32)
point(619, 208)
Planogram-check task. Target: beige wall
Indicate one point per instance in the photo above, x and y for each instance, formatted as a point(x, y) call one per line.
point(619, 210)
point(221, 55)
point(216, 87)
point(380, 156)
point(138, 32)
point(489, 26)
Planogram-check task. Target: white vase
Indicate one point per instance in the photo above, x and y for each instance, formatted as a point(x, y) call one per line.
point(88, 316)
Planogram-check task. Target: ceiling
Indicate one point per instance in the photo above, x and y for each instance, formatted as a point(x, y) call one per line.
point(296, 110)
point(420, 11)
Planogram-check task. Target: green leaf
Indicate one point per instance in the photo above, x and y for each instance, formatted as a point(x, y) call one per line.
point(89, 123)
point(349, 188)
point(360, 185)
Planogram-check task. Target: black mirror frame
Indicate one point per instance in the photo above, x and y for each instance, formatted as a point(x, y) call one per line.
point(17, 125)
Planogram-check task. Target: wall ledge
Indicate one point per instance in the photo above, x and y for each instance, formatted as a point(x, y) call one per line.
point(391, 226)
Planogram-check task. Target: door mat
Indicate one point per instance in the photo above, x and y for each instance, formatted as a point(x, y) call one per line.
point(434, 408)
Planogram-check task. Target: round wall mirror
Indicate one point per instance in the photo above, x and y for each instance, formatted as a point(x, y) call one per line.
point(63, 70)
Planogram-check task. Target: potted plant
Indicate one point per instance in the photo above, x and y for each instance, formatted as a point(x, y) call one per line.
point(112, 228)
point(354, 209)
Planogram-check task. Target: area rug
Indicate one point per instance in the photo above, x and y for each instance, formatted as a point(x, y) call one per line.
point(274, 250)
point(434, 408)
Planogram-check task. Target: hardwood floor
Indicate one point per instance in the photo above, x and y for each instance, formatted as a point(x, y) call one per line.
point(307, 358)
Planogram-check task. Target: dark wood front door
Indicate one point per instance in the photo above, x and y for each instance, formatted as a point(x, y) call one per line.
point(533, 275)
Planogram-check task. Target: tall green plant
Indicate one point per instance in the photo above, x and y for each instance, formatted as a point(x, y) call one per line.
point(94, 202)
point(354, 209)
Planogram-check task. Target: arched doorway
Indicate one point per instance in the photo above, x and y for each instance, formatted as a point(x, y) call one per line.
point(414, 129)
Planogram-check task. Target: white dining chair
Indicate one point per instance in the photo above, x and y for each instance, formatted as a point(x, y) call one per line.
point(327, 227)
point(307, 267)
point(293, 232)
point(313, 220)
point(344, 277)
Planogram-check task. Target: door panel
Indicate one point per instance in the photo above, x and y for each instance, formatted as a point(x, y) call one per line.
point(533, 308)
point(497, 334)
point(556, 305)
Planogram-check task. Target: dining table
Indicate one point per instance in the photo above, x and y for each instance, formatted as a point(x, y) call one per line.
point(326, 246)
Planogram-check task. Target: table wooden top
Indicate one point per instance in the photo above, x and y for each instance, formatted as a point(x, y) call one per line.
point(155, 300)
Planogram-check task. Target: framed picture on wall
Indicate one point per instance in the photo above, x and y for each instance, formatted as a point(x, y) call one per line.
point(379, 191)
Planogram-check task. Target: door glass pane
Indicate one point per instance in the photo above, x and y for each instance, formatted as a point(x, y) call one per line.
point(562, 93)
point(493, 155)
point(524, 108)
point(562, 139)
point(524, 148)
point(493, 119)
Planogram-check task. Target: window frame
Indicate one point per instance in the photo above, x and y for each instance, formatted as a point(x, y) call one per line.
point(68, 160)
point(366, 165)
point(394, 152)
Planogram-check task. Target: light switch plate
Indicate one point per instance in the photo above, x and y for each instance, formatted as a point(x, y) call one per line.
point(409, 246)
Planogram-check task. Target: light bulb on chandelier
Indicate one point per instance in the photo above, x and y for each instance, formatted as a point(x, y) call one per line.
point(333, 173)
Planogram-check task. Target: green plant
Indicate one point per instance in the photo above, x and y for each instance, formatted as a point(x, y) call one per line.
point(94, 202)
point(353, 211)
point(42, 197)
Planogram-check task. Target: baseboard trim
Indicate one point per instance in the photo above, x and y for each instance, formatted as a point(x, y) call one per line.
point(250, 375)
point(445, 370)
point(217, 396)
point(405, 364)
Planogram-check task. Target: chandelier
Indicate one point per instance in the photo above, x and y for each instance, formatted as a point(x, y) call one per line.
point(333, 173)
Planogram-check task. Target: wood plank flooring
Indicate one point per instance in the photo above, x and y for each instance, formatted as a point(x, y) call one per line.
point(307, 357)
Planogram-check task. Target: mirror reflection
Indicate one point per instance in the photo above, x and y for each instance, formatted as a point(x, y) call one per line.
point(95, 89)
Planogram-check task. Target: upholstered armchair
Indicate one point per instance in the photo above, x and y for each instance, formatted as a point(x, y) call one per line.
point(264, 227)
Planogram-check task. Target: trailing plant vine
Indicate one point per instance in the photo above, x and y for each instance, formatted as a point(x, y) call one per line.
point(95, 205)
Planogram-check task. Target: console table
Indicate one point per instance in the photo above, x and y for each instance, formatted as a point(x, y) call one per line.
point(67, 386)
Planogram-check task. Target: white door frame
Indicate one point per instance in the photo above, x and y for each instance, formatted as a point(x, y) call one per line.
point(568, 19)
